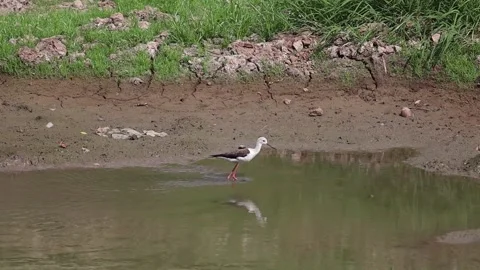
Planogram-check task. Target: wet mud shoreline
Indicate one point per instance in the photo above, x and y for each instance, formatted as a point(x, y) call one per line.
point(200, 118)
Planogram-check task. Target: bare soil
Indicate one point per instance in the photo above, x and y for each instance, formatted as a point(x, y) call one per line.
point(202, 118)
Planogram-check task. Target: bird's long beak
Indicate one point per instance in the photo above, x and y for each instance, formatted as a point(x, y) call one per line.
point(271, 146)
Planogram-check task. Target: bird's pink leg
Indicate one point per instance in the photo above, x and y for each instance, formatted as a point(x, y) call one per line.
point(233, 172)
point(235, 169)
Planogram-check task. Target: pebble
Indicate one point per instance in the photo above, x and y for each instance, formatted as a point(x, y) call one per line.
point(406, 112)
point(436, 38)
point(316, 112)
point(49, 125)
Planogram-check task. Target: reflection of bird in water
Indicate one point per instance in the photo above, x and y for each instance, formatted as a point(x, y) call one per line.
point(252, 208)
point(242, 154)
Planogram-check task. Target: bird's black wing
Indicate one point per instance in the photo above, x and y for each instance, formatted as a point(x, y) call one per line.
point(240, 152)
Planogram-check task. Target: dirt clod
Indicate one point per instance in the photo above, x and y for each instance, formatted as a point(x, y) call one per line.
point(77, 4)
point(46, 50)
point(374, 47)
point(7, 6)
point(106, 4)
point(115, 22)
point(151, 14)
point(290, 52)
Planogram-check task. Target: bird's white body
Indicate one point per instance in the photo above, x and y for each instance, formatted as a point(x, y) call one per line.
point(253, 152)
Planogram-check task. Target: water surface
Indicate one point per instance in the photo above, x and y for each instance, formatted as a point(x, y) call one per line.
point(292, 210)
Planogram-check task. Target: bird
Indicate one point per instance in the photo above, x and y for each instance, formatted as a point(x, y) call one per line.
point(242, 154)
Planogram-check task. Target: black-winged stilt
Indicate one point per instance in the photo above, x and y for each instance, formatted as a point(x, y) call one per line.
point(242, 154)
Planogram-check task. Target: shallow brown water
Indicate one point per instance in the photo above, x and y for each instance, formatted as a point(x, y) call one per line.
point(308, 211)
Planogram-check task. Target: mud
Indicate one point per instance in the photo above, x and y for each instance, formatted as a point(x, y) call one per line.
point(204, 118)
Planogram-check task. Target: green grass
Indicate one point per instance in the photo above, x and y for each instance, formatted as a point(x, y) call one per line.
point(194, 22)
point(197, 20)
point(458, 21)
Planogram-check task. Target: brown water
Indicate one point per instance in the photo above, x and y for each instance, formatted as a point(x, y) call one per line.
point(308, 211)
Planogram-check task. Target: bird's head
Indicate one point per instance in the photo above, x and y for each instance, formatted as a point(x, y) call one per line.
point(263, 140)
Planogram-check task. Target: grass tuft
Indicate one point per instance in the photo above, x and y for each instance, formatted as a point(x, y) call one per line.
point(457, 21)
point(195, 21)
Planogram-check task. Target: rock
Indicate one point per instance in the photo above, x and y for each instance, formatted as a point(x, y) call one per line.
point(102, 131)
point(287, 101)
point(127, 133)
point(135, 81)
point(85, 150)
point(298, 45)
point(373, 48)
point(132, 132)
point(406, 112)
point(117, 136)
point(417, 102)
point(315, 112)
point(436, 37)
point(49, 125)
point(153, 133)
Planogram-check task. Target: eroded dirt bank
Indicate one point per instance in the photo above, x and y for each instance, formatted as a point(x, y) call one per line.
point(204, 118)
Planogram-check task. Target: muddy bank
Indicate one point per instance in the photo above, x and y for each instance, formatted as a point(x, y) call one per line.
point(200, 118)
